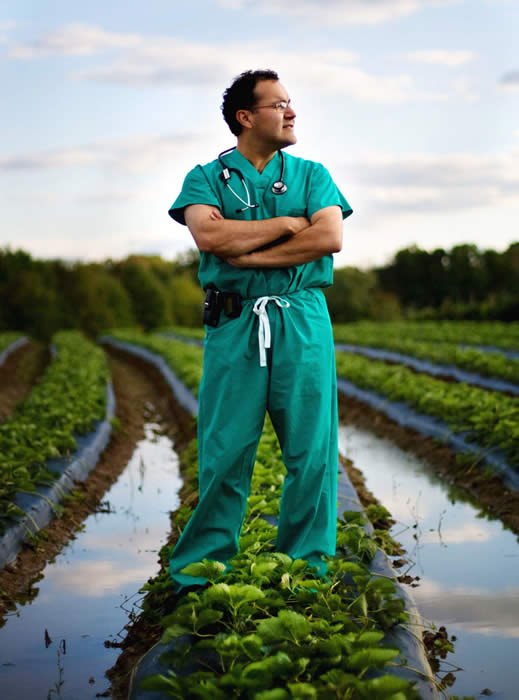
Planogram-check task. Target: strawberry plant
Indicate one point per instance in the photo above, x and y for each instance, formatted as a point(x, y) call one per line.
point(491, 419)
point(267, 626)
point(68, 400)
point(396, 339)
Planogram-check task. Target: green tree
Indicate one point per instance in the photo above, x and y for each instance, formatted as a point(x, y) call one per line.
point(147, 293)
point(102, 302)
point(349, 297)
point(30, 299)
point(186, 299)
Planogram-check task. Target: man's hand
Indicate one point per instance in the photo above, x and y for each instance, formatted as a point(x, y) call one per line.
point(215, 214)
point(232, 237)
point(322, 237)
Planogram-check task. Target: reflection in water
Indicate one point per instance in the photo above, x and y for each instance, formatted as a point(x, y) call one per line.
point(475, 610)
point(468, 566)
point(54, 647)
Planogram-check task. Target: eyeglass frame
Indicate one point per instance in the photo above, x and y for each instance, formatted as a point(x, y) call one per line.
point(278, 106)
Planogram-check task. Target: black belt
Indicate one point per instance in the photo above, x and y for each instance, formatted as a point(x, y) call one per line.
point(216, 301)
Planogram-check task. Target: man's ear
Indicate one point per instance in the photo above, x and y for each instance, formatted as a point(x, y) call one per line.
point(243, 116)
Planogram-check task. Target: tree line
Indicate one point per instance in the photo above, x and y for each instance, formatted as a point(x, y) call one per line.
point(40, 297)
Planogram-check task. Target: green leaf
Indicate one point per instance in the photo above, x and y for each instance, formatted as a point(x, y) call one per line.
point(302, 691)
point(366, 658)
point(274, 694)
point(367, 639)
point(173, 632)
point(382, 585)
point(169, 684)
point(339, 680)
point(207, 617)
point(211, 570)
point(360, 605)
point(219, 593)
point(252, 645)
point(384, 687)
point(278, 664)
point(262, 568)
point(287, 625)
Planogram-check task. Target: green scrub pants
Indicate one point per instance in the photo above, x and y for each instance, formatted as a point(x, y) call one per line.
point(298, 389)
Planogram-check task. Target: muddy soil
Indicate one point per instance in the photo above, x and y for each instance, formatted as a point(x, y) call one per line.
point(486, 492)
point(19, 373)
point(141, 395)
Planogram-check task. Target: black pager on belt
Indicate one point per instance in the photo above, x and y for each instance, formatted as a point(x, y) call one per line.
point(216, 301)
point(212, 307)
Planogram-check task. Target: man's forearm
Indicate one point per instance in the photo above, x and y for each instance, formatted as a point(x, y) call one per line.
point(321, 238)
point(231, 237)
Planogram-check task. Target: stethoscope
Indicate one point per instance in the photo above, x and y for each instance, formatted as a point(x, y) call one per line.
point(278, 187)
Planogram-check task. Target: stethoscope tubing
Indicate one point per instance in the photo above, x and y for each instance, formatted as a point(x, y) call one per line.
point(278, 187)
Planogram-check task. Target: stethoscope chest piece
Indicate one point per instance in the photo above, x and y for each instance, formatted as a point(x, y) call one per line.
point(279, 187)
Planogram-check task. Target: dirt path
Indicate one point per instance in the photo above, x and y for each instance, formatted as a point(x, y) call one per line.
point(140, 394)
point(486, 492)
point(19, 373)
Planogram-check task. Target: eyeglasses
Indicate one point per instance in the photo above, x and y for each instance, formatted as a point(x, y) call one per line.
point(281, 106)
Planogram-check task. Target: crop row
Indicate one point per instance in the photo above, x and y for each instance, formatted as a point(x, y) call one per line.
point(270, 628)
point(502, 335)
point(7, 338)
point(406, 340)
point(491, 418)
point(68, 400)
point(388, 337)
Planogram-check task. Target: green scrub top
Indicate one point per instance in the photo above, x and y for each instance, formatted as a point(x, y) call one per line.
point(309, 189)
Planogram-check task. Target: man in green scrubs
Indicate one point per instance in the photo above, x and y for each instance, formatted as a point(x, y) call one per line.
point(266, 224)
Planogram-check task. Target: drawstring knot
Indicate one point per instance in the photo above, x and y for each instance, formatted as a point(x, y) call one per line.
point(260, 308)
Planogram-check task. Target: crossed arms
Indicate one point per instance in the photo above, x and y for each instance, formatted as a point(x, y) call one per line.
point(237, 241)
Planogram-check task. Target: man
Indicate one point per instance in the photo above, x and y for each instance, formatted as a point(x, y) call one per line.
point(266, 224)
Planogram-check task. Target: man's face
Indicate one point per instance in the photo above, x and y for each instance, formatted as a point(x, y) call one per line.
point(271, 123)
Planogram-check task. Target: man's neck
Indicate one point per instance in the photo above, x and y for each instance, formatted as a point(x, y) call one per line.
point(258, 157)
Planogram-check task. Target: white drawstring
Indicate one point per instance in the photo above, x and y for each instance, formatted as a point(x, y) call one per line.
point(260, 309)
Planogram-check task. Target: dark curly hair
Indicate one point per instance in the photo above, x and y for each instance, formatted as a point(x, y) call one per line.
point(240, 95)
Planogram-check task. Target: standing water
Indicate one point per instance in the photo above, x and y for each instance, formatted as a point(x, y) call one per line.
point(54, 647)
point(468, 566)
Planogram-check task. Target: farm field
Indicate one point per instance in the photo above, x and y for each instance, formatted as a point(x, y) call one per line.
point(470, 333)
point(490, 418)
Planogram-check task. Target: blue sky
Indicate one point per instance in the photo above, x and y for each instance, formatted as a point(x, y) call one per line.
point(413, 105)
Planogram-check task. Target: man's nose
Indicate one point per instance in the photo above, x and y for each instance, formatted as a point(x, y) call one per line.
point(289, 111)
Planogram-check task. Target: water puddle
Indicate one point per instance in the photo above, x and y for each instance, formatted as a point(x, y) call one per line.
point(468, 566)
point(54, 647)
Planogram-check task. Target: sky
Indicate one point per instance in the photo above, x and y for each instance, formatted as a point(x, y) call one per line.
point(412, 105)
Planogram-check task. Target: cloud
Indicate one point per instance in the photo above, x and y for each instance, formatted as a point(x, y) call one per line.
point(470, 532)
point(164, 61)
point(476, 610)
point(510, 80)
point(336, 11)
point(406, 184)
point(74, 40)
point(325, 72)
point(466, 89)
point(140, 154)
point(442, 57)
point(5, 28)
point(425, 183)
point(94, 578)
